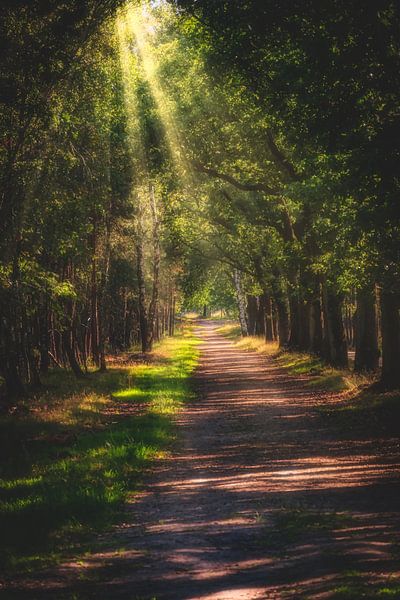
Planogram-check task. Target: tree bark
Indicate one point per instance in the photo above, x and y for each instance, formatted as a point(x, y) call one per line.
point(282, 312)
point(268, 317)
point(390, 324)
point(69, 351)
point(252, 310)
point(366, 338)
point(261, 315)
point(156, 269)
point(94, 321)
point(315, 325)
point(237, 280)
point(334, 342)
point(143, 320)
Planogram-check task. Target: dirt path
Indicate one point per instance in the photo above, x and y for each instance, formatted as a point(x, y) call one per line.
point(261, 500)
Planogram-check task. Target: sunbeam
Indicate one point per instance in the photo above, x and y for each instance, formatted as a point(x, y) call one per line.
point(141, 25)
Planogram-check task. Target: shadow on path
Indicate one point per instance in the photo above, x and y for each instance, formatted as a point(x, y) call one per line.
point(261, 500)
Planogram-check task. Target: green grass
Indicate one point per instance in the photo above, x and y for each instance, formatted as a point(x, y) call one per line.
point(356, 586)
point(357, 406)
point(77, 451)
point(293, 526)
point(367, 411)
point(322, 377)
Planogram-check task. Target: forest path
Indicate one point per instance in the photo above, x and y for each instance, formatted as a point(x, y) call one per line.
point(260, 500)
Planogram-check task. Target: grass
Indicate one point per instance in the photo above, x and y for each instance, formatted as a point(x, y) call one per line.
point(294, 526)
point(368, 412)
point(76, 452)
point(322, 377)
point(356, 586)
point(359, 408)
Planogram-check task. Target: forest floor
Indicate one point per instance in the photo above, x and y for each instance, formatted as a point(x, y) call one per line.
point(273, 491)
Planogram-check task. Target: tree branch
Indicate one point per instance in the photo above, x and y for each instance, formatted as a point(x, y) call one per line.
point(246, 187)
point(281, 159)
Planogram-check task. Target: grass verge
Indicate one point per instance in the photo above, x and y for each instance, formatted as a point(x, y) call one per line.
point(321, 376)
point(356, 406)
point(74, 453)
point(356, 586)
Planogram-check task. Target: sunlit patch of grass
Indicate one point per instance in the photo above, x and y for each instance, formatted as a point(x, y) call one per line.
point(321, 376)
point(230, 330)
point(74, 457)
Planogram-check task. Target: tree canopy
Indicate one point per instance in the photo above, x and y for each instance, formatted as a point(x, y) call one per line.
point(163, 156)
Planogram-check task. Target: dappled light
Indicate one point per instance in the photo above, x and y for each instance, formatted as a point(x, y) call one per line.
point(199, 300)
point(259, 496)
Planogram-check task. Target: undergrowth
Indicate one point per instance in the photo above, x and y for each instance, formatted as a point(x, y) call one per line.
point(72, 455)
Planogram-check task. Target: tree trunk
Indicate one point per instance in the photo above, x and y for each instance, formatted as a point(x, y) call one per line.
point(261, 314)
point(294, 337)
point(156, 269)
point(44, 338)
point(69, 351)
point(315, 325)
point(335, 345)
point(9, 367)
point(237, 280)
point(94, 321)
point(366, 338)
point(252, 310)
point(390, 324)
point(304, 325)
point(143, 320)
point(282, 312)
point(269, 325)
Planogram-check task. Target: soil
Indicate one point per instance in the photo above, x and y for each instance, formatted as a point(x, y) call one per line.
point(262, 498)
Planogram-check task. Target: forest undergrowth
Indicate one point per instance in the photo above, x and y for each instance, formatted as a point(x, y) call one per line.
point(76, 452)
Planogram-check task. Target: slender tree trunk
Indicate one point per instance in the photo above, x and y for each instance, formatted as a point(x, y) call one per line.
point(390, 323)
point(261, 315)
point(252, 310)
point(156, 269)
point(315, 324)
point(94, 317)
point(366, 338)
point(44, 337)
point(335, 345)
point(66, 339)
point(143, 320)
point(237, 280)
point(268, 324)
point(9, 364)
point(294, 337)
point(304, 325)
point(281, 304)
point(103, 296)
point(173, 309)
